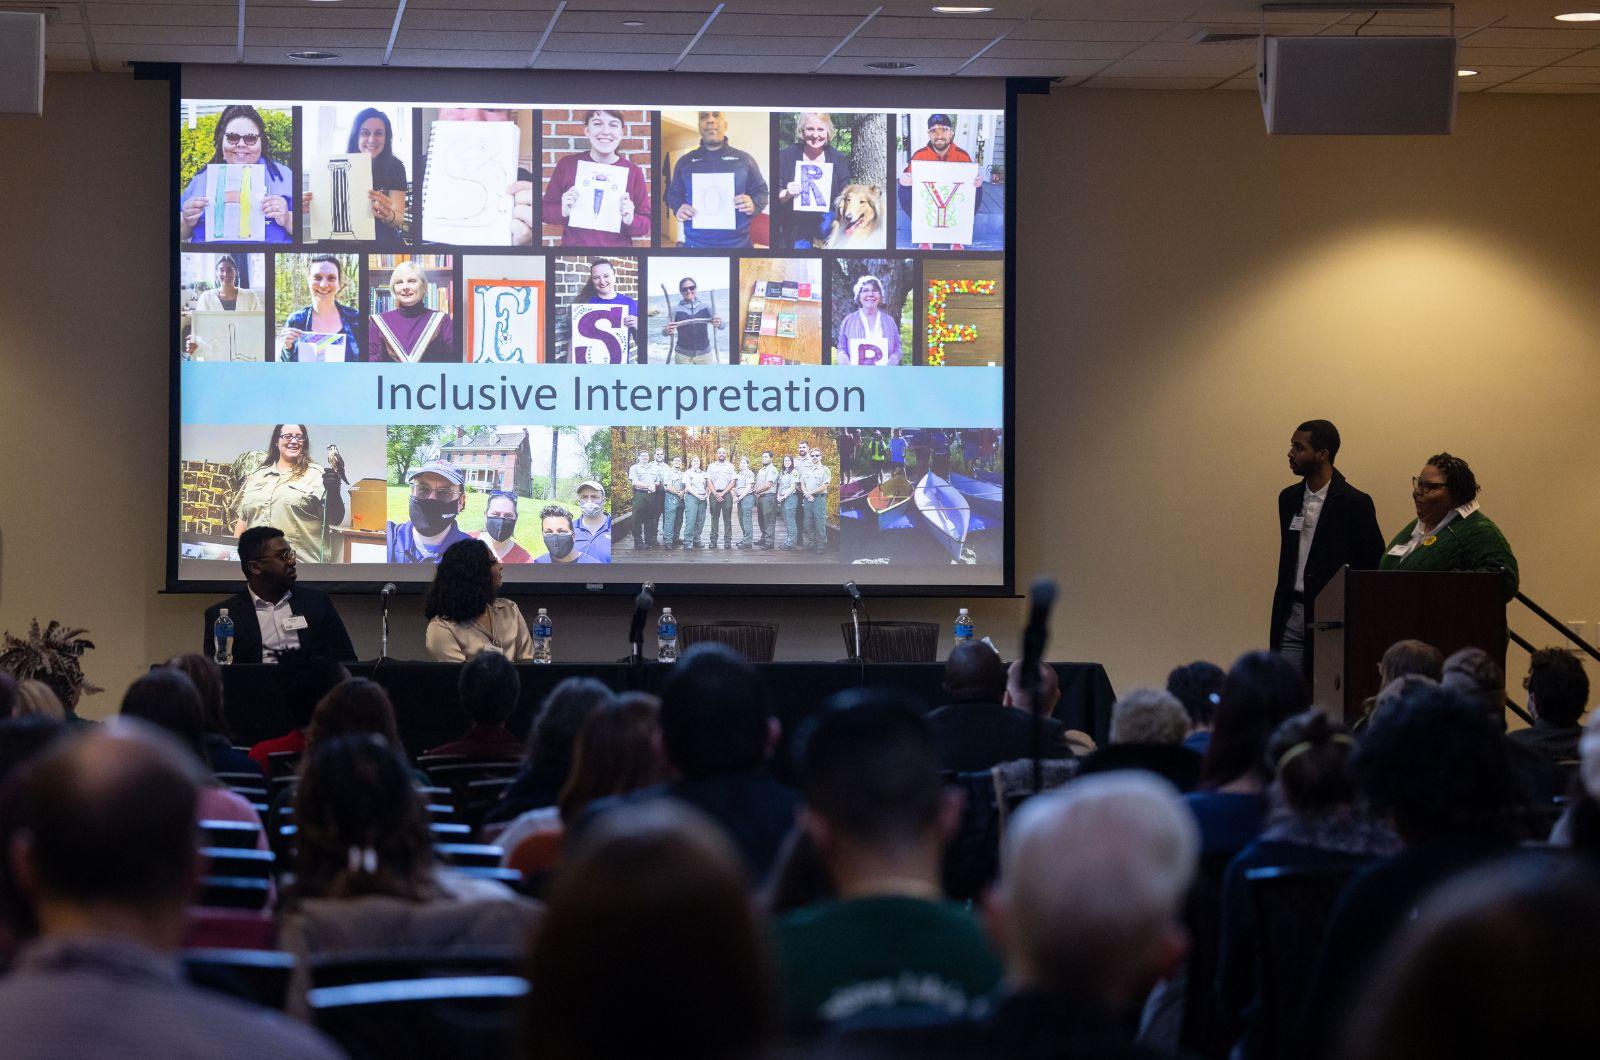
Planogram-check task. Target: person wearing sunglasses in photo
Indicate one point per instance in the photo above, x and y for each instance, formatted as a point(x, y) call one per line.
point(241, 140)
point(437, 498)
point(692, 321)
point(1450, 531)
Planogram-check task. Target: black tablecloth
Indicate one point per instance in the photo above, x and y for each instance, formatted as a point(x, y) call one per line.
point(424, 693)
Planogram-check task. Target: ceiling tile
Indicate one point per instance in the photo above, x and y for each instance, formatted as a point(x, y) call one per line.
point(784, 25)
point(1214, 70)
point(1563, 75)
point(496, 60)
point(606, 44)
point(199, 35)
point(723, 44)
point(1073, 69)
point(1584, 58)
point(549, 60)
point(1535, 38)
point(481, 41)
point(1085, 29)
point(69, 66)
point(926, 67)
point(1527, 87)
point(348, 56)
point(747, 63)
point(609, 21)
point(1471, 56)
point(981, 30)
point(1103, 51)
point(167, 53)
point(1166, 51)
point(339, 40)
point(1151, 82)
point(926, 48)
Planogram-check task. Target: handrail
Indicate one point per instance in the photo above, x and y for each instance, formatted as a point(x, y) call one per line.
point(1587, 648)
point(1514, 707)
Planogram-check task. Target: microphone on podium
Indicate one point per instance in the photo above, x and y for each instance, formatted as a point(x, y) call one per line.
point(383, 600)
point(641, 610)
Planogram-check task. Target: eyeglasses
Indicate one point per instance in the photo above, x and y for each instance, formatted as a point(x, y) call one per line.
point(287, 437)
point(248, 139)
point(1425, 486)
point(687, 287)
point(283, 555)
point(443, 493)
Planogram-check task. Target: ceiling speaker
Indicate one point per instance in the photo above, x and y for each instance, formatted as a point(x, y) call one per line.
point(1358, 86)
point(21, 62)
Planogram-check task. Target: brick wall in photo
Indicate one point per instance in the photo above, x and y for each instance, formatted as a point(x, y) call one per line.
point(563, 135)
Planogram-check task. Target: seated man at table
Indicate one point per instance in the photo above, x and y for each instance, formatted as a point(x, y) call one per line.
point(974, 731)
point(273, 614)
point(488, 690)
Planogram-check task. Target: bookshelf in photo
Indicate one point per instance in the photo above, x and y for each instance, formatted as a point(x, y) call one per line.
point(439, 269)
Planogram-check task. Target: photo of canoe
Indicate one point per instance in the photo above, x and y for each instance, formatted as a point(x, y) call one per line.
point(933, 496)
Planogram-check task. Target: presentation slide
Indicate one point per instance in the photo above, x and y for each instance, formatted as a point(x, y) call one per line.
point(616, 343)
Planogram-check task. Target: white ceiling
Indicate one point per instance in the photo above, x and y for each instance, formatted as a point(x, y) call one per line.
point(1513, 44)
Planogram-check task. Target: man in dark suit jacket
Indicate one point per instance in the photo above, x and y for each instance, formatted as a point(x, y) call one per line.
point(1325, 524)
point(975, 730)
point(298, 617)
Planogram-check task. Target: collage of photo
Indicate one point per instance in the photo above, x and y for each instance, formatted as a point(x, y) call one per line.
point(399, 234)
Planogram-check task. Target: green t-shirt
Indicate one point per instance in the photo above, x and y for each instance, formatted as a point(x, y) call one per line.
point(865, 958)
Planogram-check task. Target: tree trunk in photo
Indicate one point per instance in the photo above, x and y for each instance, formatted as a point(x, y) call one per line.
point(555, 450)
point(869, 151)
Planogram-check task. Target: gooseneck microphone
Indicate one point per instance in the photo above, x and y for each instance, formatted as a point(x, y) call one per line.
point(641, 610)
point(1041, 597)
point(383, 600)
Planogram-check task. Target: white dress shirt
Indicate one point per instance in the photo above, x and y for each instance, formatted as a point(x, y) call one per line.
point(271, 618)
point(1310, 512)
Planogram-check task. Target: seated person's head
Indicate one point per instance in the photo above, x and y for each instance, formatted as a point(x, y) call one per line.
point(35, 699)
point(715, 713)
point(1092, 876)
point(267, 559)
point(555, 730)
point(1260, 691)
point(8, 695)
point(1558, 689)
point(1049, 689)
point(1498, 962)
point(974, 673)
point(355, 705)
point(1149, 715)
point(1311, 762)
point(652, 902)
point(1411, 657)
point(104, 836)
point(869, 770)
point(168, 700)
point(465, 583)
point(207, 678)
point(362, 824)
point(1471, 674)
point(22, 741)
point(1437, 767)
point(304, 679)
point(1198, 686)
point(618, 750)
point(488, 688)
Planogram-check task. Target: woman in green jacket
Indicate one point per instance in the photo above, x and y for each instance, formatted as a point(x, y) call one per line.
point(1450, 532)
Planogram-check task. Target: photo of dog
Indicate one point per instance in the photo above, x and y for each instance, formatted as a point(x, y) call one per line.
point(857, 219)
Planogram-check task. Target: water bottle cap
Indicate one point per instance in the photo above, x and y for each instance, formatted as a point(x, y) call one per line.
point(666, 610)
point(963, 611)
point(223, 613)
point(542, 611)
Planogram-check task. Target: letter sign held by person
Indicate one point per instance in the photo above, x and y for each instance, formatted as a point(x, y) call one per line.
point(815, 180)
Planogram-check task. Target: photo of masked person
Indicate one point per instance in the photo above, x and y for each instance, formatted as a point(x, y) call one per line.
point(435, 500)
point(291, 492)
point(331, 319)
point(239, 137)
point(626, 191)
point(593, 526)
point(560, 541)
point(499, 523)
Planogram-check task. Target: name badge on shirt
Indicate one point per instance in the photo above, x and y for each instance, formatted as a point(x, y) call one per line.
point(1398, 550)
point(1297, 523)
point(294, 622)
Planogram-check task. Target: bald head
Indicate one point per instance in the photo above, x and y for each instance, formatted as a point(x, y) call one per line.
point(974, 672)
point(1091, 879)
point(108, 820)
point(1049, 692)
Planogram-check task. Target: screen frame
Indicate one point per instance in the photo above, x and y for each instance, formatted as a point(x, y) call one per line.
point(172, 73)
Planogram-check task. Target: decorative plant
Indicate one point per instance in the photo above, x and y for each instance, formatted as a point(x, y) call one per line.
point(52, 655)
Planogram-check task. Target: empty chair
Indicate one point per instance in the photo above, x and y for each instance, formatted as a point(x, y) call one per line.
point(258, 976)
point(239, 834)
point(894, 642)
point(458, 776)
point(1291, 907)
point(429, 1019)
point(756, 641)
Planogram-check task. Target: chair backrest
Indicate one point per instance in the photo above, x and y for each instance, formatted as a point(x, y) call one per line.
point(257, 976)
point(240, 834)
point(1291, 908)
point(1204, 1028)
point(756, 641)
point(282, 763)
point(894, 642)
point(234, 861)
point(436, 1019)
point(343, 969)
point(469, 854)
point(234, 892)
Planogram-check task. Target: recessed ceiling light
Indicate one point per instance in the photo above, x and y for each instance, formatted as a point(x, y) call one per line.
point(633, 22)
point(1464, 72)
point(313, 55)
point(1579, 16)
point(891, 66)
point(949, 9)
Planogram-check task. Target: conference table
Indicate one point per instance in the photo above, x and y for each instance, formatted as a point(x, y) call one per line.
point(426, 709)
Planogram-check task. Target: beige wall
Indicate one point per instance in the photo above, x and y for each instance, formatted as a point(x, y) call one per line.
point(1189, 290)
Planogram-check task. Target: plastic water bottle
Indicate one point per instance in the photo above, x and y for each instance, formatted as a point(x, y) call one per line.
point(667, 637)
point(963, 627)
point(543, 633)
point(222, 634)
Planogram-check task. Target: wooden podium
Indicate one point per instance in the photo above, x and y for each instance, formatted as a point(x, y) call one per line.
point(1359, 613)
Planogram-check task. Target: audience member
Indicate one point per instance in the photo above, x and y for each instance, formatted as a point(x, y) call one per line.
point(1579, 826)
point(651, 904)
point(35, 699)
point(488, 689)
point(1317, 822)
point(1049, 697)
point(305, 679)
point(718, 732)
point(1558, 694)
point(1501, 962)
point(1086, 916)
point(21, 741)
point(974, 730)
point(618, 751)
point(8, 695)
point(1148, 728)
point(550, 743)
point(106, 853)
point(1403, 658)
point(889, 949)
point(1198, 686)
point(1437, 768)
point(1260, 691)
point(1480, 682)
point(355, 705)
point(221, 755)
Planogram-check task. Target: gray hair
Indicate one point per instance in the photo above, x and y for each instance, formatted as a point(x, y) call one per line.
point(1149, 715)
